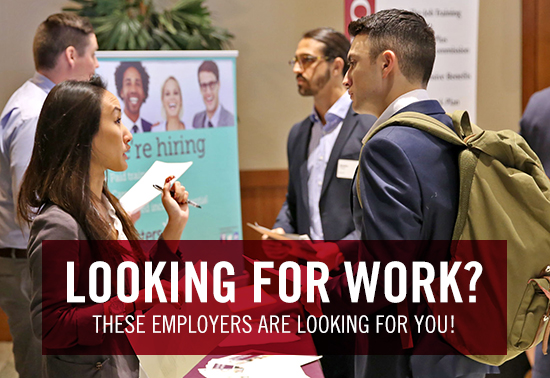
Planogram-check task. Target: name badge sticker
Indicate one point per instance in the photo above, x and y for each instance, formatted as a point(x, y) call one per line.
point(346, 168)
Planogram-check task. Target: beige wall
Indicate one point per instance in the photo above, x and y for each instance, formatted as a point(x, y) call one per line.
point(499, 64)
point(266, 34)
point(18, 22)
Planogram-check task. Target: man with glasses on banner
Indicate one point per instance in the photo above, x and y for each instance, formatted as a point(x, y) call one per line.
point(215, 114)
point(323, 150)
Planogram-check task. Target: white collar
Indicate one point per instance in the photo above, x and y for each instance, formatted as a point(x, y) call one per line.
point(129, 123)
point(339, 108)
point(401, 102)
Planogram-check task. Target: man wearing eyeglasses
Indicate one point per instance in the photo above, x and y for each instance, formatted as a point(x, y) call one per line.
point(323, 150)
point(215, 114)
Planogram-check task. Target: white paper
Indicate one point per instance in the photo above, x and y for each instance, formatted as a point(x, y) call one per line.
point(260, 366)
point(143, 192)
point(346, 168)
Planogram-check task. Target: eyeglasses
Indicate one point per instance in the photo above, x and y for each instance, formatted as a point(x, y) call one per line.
point(304, 61)
point(211, 85)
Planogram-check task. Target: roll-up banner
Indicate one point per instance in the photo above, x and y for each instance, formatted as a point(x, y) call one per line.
point(454, 78)
point(180, 107)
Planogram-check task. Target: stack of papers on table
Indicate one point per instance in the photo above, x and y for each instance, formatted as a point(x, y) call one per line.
point(257, 366)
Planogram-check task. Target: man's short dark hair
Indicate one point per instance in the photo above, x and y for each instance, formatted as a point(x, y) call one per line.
point(119, 77)
point(58, 32)
point(406, 34)
point(336, 44)
point(209, 66)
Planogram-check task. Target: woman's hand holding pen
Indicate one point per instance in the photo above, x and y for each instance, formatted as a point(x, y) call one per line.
point(176, 207)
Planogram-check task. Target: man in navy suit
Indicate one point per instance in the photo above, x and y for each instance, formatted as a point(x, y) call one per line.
point(215, 114)
point(132, 84)
point(323, 150)
point(409, 189)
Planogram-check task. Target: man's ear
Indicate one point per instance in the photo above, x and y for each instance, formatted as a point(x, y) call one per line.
point(338, 66)
point(388, 62)
point(70, 56)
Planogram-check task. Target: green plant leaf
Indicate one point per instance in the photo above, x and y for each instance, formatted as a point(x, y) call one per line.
point(135, 24)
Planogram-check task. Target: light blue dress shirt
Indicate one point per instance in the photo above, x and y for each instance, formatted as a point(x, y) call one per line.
point(321, 143)
point(17, 128)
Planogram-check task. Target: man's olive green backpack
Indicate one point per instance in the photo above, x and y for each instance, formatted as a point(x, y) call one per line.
point(504, 195)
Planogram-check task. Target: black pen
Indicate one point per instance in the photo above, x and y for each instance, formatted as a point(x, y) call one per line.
point(172, 192)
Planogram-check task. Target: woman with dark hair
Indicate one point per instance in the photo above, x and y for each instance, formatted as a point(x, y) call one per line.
point(78, 137)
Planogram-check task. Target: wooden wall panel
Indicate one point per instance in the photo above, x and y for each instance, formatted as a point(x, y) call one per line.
point(536, 47)
point(529, 27)
point(262, 195)
point(542, 44)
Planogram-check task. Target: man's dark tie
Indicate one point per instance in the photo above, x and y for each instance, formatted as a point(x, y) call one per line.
point(135, 129)
point(210, 124)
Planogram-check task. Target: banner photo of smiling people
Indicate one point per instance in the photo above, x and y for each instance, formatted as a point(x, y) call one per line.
point(181, 110)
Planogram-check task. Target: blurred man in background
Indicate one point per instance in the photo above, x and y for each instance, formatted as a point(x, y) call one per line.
point(64, 49)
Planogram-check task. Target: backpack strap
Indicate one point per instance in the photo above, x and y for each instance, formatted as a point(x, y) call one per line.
point(467, 163)
point(422, 122)
point(461, 123)
point(418, 121)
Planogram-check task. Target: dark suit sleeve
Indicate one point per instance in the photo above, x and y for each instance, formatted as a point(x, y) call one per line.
point(390, 192)
point(535, 126)
point(287, 216)
point(391, 211)
point(57, 323)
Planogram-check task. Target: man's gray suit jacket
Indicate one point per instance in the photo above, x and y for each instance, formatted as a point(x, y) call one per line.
point(226, 119)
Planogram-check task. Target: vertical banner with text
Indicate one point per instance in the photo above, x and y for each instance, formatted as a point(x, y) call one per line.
point(454, 77)
point(180, 107)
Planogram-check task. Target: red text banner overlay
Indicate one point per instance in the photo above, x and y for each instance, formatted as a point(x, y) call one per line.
point(228, 297)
